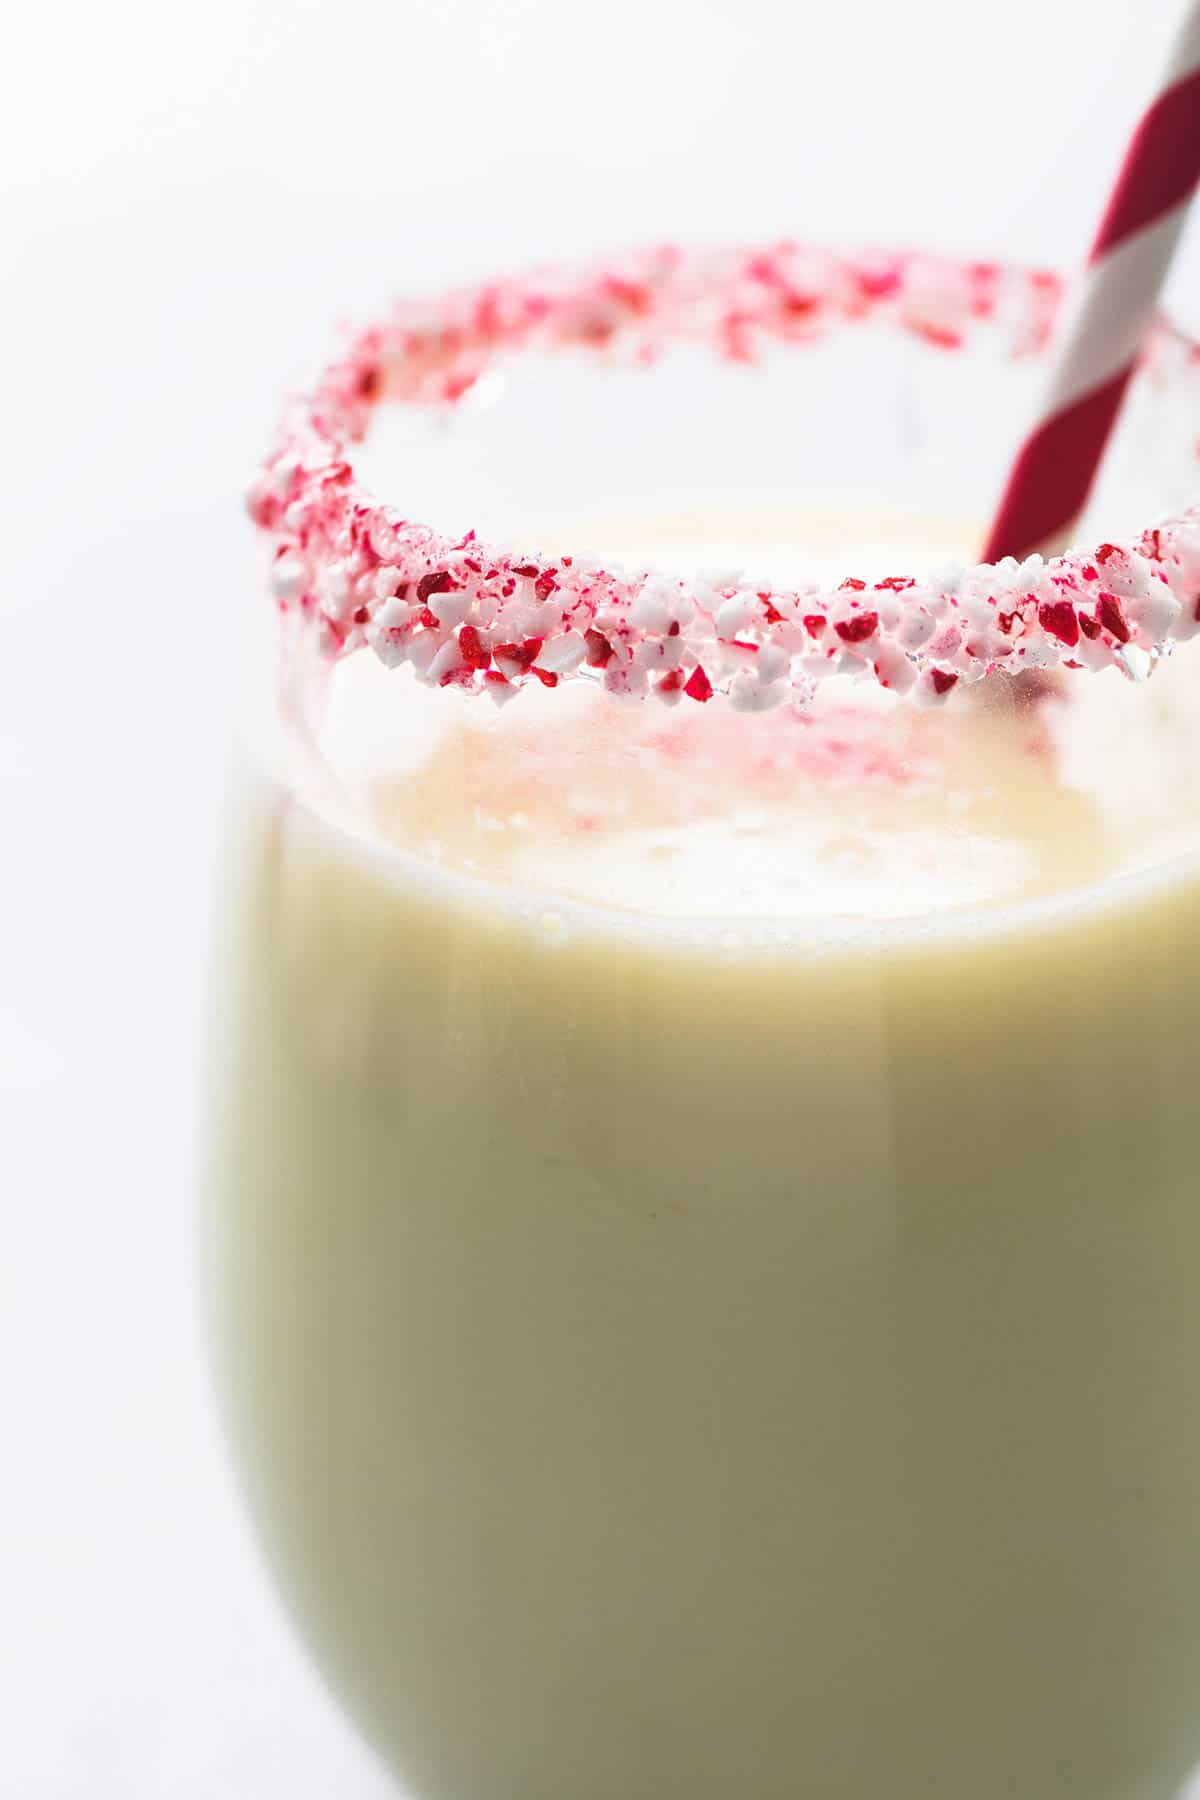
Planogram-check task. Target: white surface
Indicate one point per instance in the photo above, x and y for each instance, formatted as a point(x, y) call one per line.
point(191, 195)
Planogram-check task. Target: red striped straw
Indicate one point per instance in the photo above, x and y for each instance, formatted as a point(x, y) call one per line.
point(1050, 481)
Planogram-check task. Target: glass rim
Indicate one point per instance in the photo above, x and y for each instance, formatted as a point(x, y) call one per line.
point(349, 571)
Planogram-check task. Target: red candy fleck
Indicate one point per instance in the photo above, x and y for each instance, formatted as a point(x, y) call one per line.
point(439, 582)
point(764, 268)
point(940, 336)
point(1106, 552)
point(1112, 618)
point(698, 686)
point(599, 650)
point(473, 652)
point(1090, 627)
point(524, 655)
point(877, 284)
point(943, 680)
point(857, 629)
point(1058, 618)
point(814, 624)
point(487, 314)
point(370, 383)
point(854, 583)
point(547, 677)
point(633, 294)
point(983, 278)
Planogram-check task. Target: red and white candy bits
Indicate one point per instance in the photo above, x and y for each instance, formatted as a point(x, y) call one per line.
point(353, 573)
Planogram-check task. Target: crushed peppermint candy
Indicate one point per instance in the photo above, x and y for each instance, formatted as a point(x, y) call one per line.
point(355, 574)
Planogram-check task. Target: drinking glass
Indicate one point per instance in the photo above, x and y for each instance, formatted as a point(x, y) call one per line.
point(703, 1234)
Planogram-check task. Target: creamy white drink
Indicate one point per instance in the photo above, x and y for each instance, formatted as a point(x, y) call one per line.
point(706, 1238)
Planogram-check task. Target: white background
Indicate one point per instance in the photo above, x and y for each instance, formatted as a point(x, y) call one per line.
point(191, 196)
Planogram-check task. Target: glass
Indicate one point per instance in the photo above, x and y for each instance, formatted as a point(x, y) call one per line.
point(704, 1224)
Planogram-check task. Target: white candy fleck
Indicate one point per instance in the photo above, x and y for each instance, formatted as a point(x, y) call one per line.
point(448, 658)
point(772, 663)
point(651, 611)
point(392, 613)
point(287, 577)
point(563, 655)
point(422, 649)
point(388, 646)
point(734, 615)
point(748, 694)
point(450, 608)
point(894, 669)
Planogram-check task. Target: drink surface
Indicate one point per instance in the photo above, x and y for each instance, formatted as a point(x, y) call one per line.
point(667, 1361)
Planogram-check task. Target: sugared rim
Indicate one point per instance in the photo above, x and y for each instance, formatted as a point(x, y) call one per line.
point(352, 572)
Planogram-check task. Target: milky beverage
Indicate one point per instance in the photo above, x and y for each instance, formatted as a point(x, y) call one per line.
point(706, 1247)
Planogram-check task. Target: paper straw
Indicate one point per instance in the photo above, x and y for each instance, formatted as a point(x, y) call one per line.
point(1053, 474)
